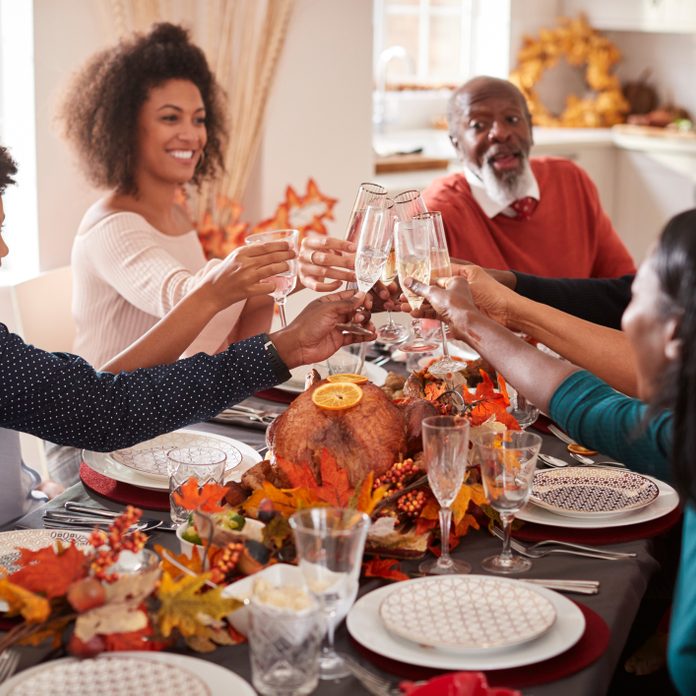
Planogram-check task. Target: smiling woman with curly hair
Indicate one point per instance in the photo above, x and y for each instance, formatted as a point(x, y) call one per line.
point(147, 117)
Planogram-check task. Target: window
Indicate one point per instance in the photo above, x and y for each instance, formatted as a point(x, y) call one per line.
point(436, 36)
point(18, 133)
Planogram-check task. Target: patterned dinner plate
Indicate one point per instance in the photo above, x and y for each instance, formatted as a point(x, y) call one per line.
point(34, 539)
point(466, 612)
point(150, 458)
point(591, 491)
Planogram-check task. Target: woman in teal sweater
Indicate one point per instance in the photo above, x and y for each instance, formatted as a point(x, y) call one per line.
point(657, 437)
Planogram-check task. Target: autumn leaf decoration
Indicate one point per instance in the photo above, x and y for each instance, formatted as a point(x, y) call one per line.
point(207, 497)
point(486, 403)
point(386, 568)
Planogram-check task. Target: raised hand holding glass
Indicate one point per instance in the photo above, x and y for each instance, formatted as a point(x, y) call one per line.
point(284, 282)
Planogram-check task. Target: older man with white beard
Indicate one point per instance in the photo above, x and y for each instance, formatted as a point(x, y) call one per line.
point(507, 211)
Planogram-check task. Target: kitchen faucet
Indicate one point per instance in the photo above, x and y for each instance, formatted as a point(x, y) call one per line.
point(379, 115)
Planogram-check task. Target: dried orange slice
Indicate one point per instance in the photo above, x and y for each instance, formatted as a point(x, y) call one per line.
point(335, 396)
point(347, 377)
point(579, 449)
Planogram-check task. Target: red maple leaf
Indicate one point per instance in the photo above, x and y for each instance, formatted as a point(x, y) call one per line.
point(206, 497)
point(49, 572)
point(334, 489)
point(387, 568)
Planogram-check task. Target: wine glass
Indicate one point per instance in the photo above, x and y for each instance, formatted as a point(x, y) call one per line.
point(445, 451)
point(284, 282)
point(391, 332)
point(440, 267)
point(412, 242)
point(330, 543)
point(507, 462)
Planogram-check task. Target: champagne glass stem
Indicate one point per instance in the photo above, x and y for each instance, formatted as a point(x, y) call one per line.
point(327, 648)
point(445, 515)
point(281, 313)
point(506, 554)
point(445, 348)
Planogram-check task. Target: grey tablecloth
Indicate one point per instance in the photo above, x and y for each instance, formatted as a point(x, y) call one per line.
point(623, 585)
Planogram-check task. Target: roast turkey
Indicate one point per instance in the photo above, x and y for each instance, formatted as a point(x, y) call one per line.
point(371, 435)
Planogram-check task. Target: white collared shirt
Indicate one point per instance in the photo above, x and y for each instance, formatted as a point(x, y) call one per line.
point(490, 207)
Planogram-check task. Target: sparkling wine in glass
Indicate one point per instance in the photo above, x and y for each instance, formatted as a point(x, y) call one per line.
point(373, 247)
point(369, 195)
point(445, 452)
point(391, 332)
point(440, 267)
point(412, 243)
point(330, 543)
point(507, 462)
point(284, 282)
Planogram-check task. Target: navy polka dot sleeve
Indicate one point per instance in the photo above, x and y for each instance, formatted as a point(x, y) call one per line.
point(61, 398)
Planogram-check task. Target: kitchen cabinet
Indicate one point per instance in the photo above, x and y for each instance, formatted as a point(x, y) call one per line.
point(647, 194)
point(678, 16)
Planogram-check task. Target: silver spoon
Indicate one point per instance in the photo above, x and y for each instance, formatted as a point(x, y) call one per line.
point(590, 462)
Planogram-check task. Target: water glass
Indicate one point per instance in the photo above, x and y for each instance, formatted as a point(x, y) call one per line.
point(284, 282)
point(507, 462)
point(445, 454)
point(203, 464)
point(523, 411)
point(345, 361)
point(284, 648)
point(330, 544)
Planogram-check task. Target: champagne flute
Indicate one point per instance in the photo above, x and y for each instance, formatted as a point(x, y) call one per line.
point(440, 267)
point(330, 543)
point(412, 242)
point(284, 282)
point(369, 195)
point(373, 247)
point(507, 462)
point(391, 332)
point(445, 451)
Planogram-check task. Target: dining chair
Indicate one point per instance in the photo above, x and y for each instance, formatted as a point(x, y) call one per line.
point(43, 317)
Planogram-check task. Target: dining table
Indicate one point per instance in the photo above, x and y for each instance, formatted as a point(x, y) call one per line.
point(623, 583)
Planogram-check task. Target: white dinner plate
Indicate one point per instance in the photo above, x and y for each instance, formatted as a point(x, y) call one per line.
point(103, 463)
point(666, 501)
point(592, 492)
point(149, 458)
point(69, 676)
point(366, 627)
point(295, 384)
point(466, 613)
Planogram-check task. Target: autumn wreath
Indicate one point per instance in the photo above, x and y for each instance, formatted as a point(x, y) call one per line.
point(580, 45)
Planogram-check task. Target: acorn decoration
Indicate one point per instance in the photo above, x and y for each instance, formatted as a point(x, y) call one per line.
point(640, 95)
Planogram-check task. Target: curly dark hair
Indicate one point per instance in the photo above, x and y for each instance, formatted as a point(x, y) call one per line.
point(102, 104)
point(674, 261)
point(8, 168)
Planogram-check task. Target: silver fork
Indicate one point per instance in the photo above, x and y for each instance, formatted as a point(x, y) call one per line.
point(536, 551)
point(9, 661)
point(375, 683)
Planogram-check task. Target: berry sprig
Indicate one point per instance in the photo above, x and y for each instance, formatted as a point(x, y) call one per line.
point(225, 561)
point(109, 544)
point(411, 504)
point(398, 475)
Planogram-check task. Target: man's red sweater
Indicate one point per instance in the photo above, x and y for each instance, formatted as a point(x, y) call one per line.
point(568, 235)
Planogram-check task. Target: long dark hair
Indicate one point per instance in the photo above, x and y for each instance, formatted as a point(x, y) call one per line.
point(674, 261)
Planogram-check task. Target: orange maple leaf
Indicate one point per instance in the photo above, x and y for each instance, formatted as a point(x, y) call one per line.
point(334, 489)
point(194, 562)
point(285, 500)
point(387, 568)
point(49, 572)
point(364, 498)
point(206, 497)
